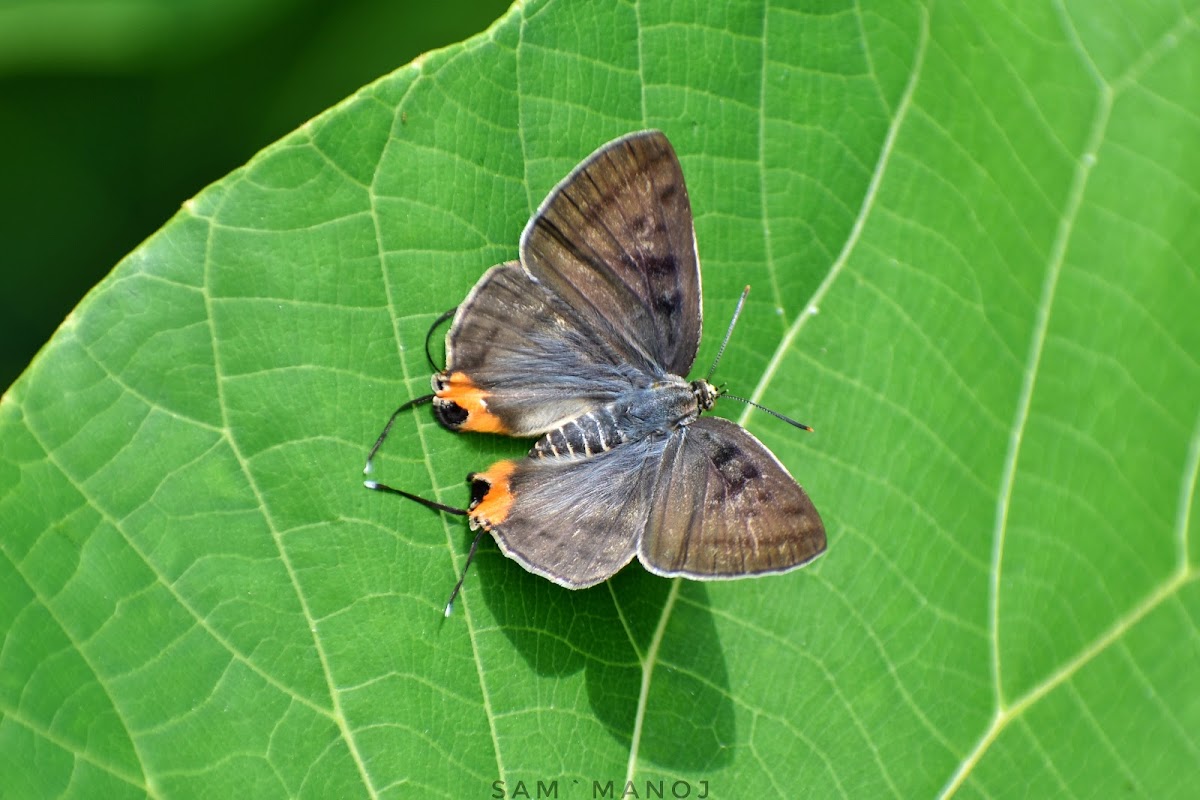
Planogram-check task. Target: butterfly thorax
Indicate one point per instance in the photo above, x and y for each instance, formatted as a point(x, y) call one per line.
point(651, 411)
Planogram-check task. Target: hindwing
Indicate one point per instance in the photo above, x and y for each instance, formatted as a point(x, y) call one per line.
point(724, 507)
point(606, 298)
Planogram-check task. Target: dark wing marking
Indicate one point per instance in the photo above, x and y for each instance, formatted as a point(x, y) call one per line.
point(573, 521)
point(615, 241)
point(724, 507)
point(520, 361)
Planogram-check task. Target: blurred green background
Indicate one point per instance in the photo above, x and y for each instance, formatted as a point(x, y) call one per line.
point(114, 113)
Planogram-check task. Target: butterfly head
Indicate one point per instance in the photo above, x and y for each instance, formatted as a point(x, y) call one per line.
point(706, 395)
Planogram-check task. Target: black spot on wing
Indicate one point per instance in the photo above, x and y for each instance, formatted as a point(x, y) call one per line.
point(646, 227)
point(661, 271)
point(660, 267)
point(734, 467)
point(668, 303)
point(449, 413)
point(479, 490)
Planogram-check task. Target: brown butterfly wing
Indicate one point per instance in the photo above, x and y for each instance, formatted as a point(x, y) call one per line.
point(520, 361)
point(724, 507)
point(575, 521)
point(606, 298)
point(708, 502)
point(615, 242)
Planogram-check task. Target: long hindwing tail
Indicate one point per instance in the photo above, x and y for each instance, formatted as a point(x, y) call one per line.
point(726, 508)
point(615, 241)
point(573, 521)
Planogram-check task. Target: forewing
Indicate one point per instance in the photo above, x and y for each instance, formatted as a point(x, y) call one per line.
point(724, 507)
point(520, 361)
point(574, 521)
point(615, 241)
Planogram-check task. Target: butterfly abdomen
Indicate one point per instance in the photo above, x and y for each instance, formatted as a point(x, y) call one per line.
point(641, 413)
point(587, 435)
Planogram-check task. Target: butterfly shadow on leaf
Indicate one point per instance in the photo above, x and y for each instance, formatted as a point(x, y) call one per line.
point(608, 631)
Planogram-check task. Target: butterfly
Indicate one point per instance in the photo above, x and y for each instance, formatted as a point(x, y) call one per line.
point(583, 343)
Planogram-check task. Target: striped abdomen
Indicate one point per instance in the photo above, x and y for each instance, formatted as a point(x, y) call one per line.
point(588, 434)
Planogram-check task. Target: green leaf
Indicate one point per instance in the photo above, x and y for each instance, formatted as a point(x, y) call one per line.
point(971, 235)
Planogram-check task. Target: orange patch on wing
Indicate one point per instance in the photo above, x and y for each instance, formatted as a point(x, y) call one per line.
point(492, 509)
point(459, 389)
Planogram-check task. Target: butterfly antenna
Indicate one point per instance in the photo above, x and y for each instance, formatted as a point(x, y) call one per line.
point(775, 414)
point(736, 313)
point(369, 468)
point(429, 335)
point(463, 576)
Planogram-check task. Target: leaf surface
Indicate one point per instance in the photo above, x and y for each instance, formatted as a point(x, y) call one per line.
point(971, 234)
